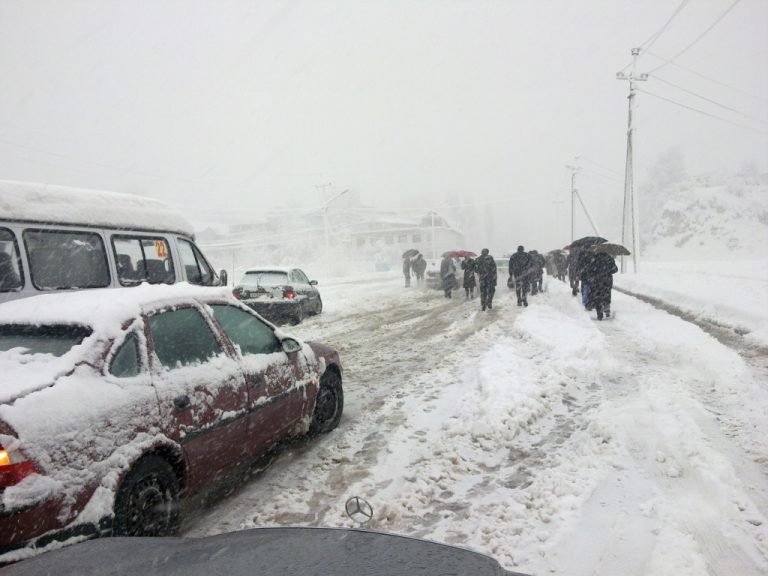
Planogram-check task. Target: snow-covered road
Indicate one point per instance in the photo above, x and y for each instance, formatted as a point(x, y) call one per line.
point(556, 443)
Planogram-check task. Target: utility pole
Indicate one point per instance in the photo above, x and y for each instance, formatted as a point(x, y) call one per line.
point(576, 196)
point(630, 227)
point(573, 170)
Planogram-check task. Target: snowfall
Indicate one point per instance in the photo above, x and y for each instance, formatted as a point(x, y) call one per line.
point(551, 441)
point(556, 443)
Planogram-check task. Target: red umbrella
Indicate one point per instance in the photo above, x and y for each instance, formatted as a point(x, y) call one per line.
point(459, 254)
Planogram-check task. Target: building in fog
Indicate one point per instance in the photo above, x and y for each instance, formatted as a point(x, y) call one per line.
point(431, 234)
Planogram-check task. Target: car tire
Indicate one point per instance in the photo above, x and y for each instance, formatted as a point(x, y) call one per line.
point(319, 309)
point(329, 404)
point(147, 503)
point(299, 316)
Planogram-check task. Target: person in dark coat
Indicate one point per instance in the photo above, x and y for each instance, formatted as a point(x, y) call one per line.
point(537, 271)
point(573, 270)
point(419, 266)
point(485, 265)
point(448, 275)
point(600, 271)
point(468, 265)
point(561, 265)
point(520, 269)
point(407, 271)
point(583, 262)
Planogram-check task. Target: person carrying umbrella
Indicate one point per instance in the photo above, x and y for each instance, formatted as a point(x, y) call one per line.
point(485, 266)
point(407, 271)
point(468, 265)
point(448, 274)
point(600, 271)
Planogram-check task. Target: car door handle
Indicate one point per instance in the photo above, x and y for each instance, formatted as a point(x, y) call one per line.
point(181, 402)
point(256, 381)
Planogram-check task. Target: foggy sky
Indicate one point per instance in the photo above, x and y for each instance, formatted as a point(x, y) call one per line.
point(225, 107)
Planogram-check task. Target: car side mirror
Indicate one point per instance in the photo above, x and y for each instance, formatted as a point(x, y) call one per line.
point(223, 277)
point(313, 282)
point(290, 345)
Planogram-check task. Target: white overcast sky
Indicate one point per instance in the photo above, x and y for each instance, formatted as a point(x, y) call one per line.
point(240, 105)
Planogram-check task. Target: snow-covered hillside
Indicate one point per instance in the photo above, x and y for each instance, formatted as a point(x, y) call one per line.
point(709, 217)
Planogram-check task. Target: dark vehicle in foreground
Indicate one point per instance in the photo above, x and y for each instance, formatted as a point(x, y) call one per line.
point(114, 404)
point(264, 552)
point(281, 295)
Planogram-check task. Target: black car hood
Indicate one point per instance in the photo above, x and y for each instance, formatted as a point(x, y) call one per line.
point(263, 552)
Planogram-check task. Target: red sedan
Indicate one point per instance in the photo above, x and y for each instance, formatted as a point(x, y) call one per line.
point(116, 403)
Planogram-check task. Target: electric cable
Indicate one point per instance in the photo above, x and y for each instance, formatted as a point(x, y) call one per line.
point(652, 40)
point(709, 100)
point(705, 77)
point(699, 37)
point(701, 111)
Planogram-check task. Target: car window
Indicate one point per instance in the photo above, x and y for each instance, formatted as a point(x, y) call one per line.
point(143, 259)
point(182, 337)
point(301, 278)
point(125, 363)
point(47, 339)
point(197, 270)
point(10, 262)
point(267, 278)
point(245, 330)
point(61, 259)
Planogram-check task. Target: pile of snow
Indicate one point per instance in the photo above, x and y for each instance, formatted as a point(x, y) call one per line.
point(707, 217)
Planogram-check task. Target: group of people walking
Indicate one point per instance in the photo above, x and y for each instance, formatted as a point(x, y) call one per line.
point(484, 266)
point(418, 265)
point(590, 274)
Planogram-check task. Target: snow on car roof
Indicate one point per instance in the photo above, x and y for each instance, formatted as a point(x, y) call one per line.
point(255, 269)
point(103, 310)
point(50, 204)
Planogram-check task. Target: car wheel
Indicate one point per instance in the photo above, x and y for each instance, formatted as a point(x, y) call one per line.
point(319, 309)
point(329, 404)
point(299, 316)
point(147, 503)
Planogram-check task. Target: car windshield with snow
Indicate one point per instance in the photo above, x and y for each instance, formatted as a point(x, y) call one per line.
point(115, 404)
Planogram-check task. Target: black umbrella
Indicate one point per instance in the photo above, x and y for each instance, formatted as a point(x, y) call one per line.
point(410, 253)
point(612, 249)
point(586, 242)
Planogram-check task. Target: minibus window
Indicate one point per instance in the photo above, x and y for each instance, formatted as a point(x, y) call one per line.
point(143, 259)
point(60, 259)
point(198, 271)
point(11, 278)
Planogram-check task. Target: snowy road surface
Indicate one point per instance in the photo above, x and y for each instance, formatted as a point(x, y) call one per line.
point(553, 442)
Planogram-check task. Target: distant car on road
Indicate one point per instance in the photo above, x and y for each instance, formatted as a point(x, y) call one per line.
point(114, 404)
point(279, 294)
point(432, 274)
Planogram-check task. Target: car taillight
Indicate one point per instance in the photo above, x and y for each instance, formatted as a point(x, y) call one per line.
point(14, 467)
point(289, 294)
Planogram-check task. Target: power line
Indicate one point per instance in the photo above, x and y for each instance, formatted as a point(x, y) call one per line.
point(603, 166)
point(699, 37)
point(709, 100)
point(701, 111)
point(700, 75)
point(652, 40)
